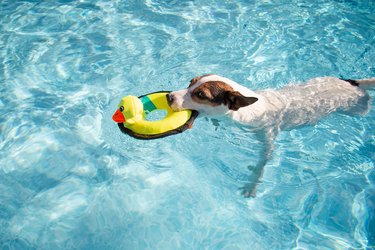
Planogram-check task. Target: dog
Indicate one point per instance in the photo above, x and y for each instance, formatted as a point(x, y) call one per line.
point(269, 111)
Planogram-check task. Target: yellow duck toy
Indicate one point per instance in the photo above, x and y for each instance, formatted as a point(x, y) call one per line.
point(131, 116)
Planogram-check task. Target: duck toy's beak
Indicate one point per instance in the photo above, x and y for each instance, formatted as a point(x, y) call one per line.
point(118, 116)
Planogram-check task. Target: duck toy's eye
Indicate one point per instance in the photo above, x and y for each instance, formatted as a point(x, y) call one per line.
point(121, 108)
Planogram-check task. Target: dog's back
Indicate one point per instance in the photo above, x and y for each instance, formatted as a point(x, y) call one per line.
point(307, 103)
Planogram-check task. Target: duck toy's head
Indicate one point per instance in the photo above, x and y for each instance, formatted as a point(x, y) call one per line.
point(130, 110)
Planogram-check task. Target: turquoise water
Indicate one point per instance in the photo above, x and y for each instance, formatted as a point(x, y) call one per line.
point(69, 179)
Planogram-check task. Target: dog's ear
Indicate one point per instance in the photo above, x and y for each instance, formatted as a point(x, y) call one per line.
point(236, 100)
point(196, 79)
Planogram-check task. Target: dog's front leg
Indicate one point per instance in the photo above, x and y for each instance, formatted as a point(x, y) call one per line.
point(266, 138)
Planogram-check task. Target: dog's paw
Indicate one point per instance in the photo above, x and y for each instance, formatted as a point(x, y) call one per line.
point(249, 190)
point(247, 194)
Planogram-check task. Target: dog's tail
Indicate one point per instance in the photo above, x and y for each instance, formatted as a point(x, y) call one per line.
point(363, 83)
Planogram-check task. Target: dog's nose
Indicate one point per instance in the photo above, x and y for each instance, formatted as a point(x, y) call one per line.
point(170, 98)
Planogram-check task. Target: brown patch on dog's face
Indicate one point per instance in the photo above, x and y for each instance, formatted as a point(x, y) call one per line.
point(216, 93)
point(211, 93)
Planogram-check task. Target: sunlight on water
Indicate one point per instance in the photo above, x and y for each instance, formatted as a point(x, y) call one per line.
point(70, 179)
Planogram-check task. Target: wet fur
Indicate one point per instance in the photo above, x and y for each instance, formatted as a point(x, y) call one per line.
point(270, 111)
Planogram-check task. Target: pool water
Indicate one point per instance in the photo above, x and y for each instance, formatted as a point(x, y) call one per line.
point(69, 179)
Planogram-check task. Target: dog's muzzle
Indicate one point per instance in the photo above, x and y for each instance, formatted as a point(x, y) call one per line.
point(170, 99)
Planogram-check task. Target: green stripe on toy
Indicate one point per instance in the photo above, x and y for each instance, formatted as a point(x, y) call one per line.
point(148, 105)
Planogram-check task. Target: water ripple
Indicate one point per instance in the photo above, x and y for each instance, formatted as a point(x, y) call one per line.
point(70, 179)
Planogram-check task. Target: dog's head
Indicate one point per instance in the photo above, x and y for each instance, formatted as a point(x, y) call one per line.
point(210, 94)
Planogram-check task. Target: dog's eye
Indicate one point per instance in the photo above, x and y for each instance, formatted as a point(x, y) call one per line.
point(201, 95)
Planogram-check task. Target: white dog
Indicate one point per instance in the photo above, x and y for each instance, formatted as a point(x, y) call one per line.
point(272, 110)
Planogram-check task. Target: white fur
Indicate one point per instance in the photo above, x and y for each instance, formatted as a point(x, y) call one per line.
point(285, 108)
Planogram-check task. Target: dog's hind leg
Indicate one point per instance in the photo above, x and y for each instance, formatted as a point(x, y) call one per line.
point(266, 137)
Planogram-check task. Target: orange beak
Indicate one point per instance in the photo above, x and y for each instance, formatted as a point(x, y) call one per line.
point(118, 117)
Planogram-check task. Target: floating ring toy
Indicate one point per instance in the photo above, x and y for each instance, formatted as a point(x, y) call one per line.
point(131, 116)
